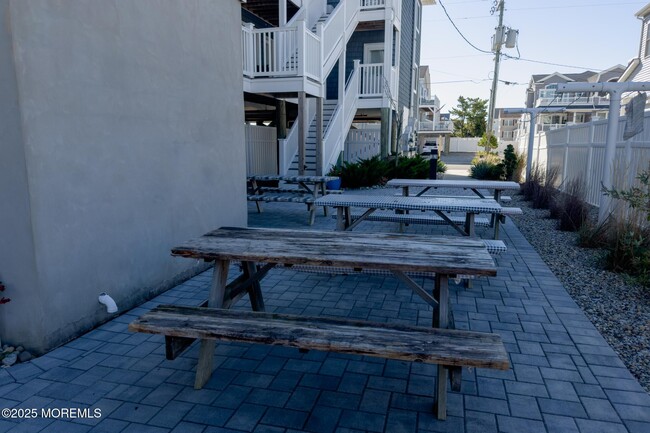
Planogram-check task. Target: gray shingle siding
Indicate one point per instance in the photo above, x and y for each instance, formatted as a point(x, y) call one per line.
point(354, 51)
point(406, 54)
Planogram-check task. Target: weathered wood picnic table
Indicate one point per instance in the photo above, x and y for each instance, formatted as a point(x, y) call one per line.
point(439, 205)
point(259, 250)
point(307, 190)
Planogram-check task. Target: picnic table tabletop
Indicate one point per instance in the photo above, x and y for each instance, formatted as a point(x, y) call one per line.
point(293, 178)
point(448, 183)
point(449, 204)
point(389, 251)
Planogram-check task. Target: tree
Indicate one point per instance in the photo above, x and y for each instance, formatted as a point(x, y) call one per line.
point(470, 115)
point(493, 144)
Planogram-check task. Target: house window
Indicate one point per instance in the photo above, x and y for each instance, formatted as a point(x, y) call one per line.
point(647, 40)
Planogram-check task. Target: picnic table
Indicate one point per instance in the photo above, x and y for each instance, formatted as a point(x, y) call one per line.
point(473, 184)
point(259, 250)
point(306, 191)
point(439, 205)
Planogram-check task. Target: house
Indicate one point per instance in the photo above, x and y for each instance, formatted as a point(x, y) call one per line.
point(122, 136)
point(506, 127)
point(433, 126)
point(579, 107)
point(314, 69)
point(638, 69)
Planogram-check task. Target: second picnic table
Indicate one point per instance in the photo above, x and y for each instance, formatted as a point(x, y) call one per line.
point(439, 205)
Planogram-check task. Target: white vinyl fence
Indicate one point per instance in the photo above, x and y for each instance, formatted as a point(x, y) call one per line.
point(578, 152)
point(362, 144)
point(261, 150)
point(470, 145)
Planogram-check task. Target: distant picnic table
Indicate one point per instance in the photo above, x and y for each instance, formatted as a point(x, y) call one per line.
point(440, 205)
point(474, 185)
point(306, 190)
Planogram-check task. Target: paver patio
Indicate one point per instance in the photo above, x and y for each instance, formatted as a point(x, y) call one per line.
point(564, 376)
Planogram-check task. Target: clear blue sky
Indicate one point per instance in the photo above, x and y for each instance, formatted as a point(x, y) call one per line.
point(594, 34)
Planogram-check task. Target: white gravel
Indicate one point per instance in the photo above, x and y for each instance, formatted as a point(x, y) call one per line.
point(619, 308)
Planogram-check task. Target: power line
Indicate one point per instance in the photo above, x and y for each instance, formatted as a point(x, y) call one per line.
point(459, 32)
point(551, 63)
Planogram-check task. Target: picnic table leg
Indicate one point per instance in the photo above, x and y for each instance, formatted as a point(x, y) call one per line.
point(215, 300)
point(255, 290)
point(255, 192)
point(323, 193)
point(497, 220)
point(312, 213)
point(405, 191)
point(497, 197)
point(469, 224)
point(441, 320)
point(340, 219)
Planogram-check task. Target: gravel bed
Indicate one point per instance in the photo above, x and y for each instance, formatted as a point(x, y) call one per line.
point(618, 308)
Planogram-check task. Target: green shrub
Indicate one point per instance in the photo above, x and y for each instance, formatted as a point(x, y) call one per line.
point(364, 173)
point(510, 161)
point(409, 168)
point(492, 145)
point(442, 167)
point(485, 170)
point(486, 157)
point(593, 235)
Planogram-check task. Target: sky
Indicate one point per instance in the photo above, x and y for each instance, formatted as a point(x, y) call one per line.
point(592, 35)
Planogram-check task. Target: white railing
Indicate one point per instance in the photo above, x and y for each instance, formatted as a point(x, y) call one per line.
point(394, 83)
point(312, 56)
point(578, 152)
point(371, 80)
point(314, 10)
point(551, 98)
point(544, 127)
point(261, 150)
point(332, 34)
point(428, 125)
point(334, 137)
point(270, 52)
point(372, 4)
point(362, 144)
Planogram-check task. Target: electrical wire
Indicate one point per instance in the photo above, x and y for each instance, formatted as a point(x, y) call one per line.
point(459, 32)
point(549, 63)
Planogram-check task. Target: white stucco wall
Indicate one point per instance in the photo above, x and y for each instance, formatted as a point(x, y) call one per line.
point(126, 138)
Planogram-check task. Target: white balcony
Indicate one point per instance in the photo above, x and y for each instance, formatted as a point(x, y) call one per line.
point(430, 126)
point(553, 99)
point(543, 127)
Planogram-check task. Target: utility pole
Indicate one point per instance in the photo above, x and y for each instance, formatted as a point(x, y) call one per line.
point(498, 40)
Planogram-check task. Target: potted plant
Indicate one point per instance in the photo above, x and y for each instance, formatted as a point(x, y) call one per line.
point(336, 183)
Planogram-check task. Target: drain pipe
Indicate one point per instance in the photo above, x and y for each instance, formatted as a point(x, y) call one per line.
point(111, 306)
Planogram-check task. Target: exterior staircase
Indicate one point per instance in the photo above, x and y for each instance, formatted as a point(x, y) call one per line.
point(329, 108)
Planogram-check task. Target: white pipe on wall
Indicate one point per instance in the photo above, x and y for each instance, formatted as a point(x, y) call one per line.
point(111, 306)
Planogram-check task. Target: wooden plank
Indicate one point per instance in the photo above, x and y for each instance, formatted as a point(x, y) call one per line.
point(402, 342)
point(391, 251)
point(416, 288)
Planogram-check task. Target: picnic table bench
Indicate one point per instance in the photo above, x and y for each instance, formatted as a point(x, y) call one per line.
point(444, 256)
point(306, 190)
point(474, 185)
point(440, 206)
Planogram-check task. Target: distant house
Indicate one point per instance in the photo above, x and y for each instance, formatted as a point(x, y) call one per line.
point(579, 107)
point(433, 126)
point(122, 136)
point(314, 68)
point(506, 127)
point(638, 69)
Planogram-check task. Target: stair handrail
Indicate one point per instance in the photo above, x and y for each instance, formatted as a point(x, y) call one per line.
point(336, 132)
point(335, 32)
point(288, 147)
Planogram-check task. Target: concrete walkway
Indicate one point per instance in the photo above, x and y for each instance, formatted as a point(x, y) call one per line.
point(564, 376)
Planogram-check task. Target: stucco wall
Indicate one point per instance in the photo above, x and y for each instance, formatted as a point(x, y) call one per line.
point(132, 141)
